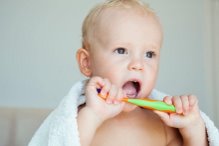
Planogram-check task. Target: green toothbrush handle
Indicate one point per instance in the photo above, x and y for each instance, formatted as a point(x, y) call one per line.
point(152, 104)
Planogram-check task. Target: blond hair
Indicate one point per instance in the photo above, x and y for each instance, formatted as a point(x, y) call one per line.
point(91, 18)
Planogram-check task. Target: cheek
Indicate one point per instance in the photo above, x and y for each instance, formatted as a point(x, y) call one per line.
point(112, 72)
point(153, 75)
point(103, 69)
point(152, 68)
point(97, 64)
point(150, 76)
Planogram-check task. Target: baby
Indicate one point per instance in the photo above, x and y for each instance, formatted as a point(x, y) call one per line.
point(120, 55)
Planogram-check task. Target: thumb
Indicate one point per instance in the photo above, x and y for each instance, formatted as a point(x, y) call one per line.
point(164, 116)
point(172, 120)
point(94, 84)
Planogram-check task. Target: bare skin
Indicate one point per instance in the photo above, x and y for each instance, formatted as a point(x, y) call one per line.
point(139, 127)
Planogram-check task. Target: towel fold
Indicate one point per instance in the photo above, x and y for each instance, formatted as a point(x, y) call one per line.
point(60, 127)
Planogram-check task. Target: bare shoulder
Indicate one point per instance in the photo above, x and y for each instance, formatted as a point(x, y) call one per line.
point(174, 138)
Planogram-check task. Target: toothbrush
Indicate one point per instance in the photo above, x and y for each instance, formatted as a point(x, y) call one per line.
point(149, 104)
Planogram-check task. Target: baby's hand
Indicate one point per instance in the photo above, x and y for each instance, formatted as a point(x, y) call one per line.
point(103, 108)
point(97, 110)
point(187, 111)
point(187, 119)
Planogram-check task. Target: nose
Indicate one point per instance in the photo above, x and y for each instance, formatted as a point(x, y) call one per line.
point(136, 64)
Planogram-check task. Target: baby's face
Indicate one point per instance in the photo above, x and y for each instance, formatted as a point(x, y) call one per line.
point(126, 49)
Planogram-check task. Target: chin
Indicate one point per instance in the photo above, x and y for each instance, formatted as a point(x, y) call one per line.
point(129, 107)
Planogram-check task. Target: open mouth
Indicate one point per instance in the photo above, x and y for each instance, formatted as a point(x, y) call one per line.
point(132, 88)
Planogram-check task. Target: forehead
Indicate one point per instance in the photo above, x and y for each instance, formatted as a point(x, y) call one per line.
point(112, 14)
point(113, 20)
point(109, 15)
point(119, 11)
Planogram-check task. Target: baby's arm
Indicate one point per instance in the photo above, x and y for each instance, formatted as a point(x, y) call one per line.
point(97, 110)
point(187, 119)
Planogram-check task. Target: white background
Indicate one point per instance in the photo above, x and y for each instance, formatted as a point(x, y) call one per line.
point(38, 41)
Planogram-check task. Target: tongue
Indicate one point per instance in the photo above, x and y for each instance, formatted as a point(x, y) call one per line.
point(130, 89)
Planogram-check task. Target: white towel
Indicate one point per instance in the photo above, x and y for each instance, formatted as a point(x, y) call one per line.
point(60, 127)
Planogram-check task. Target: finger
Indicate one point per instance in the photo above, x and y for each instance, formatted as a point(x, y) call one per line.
point(185, 104)
point(192, 100)
point(193, 103)
point(167, 99)
point(178, 104)
point(105, 89)
point(95, 83)
point(119, 96)
point(112, 94)
point(164, 117)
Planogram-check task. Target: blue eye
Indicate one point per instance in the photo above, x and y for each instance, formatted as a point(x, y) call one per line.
point(121, 51)
point(150, 54)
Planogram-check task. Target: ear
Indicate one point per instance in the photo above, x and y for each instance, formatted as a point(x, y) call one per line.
point(83, 58)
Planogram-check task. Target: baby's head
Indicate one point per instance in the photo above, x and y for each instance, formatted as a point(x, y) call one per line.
point(121, 42)
point(90, 24)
